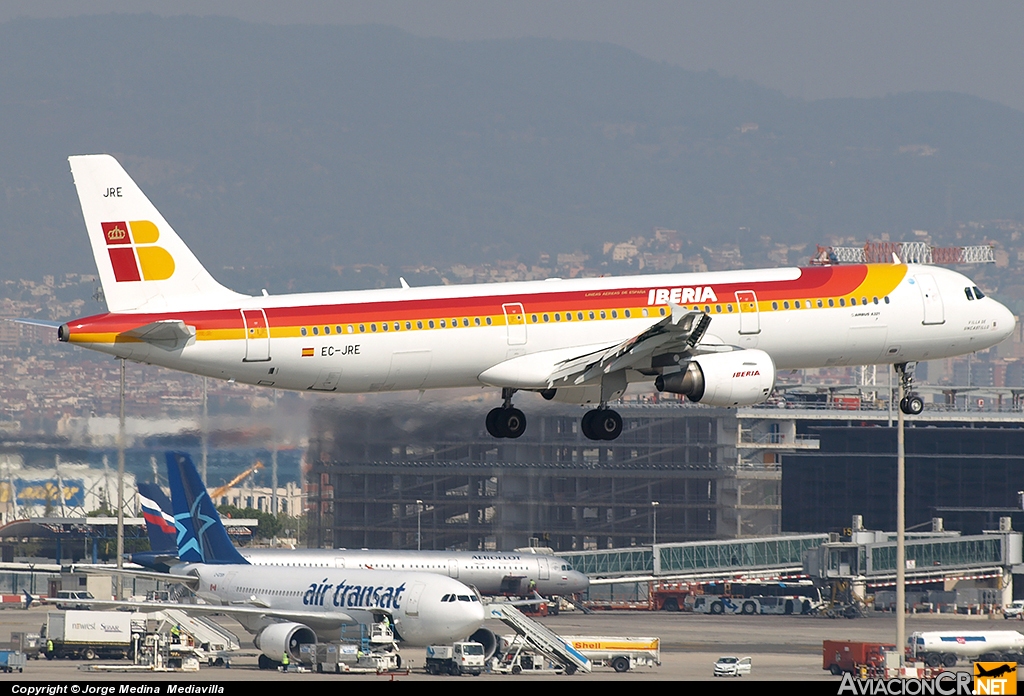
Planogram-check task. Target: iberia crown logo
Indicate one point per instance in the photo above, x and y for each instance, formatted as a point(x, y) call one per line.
point(135, 256)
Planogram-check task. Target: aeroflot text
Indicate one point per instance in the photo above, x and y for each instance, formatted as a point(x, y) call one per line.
point(681, 295)
point(354, 595)
point(945, 684)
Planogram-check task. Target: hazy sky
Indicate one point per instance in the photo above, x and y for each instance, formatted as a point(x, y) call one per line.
point(808, 49)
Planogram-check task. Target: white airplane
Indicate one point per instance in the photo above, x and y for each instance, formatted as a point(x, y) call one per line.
point(717, 338)
point(288, 606)
point(490, 572)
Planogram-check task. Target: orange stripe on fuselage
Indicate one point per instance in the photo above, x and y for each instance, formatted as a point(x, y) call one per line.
point(226, 324)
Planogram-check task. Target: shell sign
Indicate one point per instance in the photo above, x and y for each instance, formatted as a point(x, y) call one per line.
point(133, 254)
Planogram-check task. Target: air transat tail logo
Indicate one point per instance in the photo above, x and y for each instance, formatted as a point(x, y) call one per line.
point(186, 540)
point(133, 251)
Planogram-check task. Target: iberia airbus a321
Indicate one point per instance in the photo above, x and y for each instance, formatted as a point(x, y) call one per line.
point(716, 338)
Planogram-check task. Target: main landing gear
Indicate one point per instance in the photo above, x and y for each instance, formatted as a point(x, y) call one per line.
point(506, 420)
point(911, 404)
point(601, 424)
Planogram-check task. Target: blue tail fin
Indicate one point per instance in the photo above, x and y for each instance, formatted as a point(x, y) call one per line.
point(157, 511)
point(201, 535)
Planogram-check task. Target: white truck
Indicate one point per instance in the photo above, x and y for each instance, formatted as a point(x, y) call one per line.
point(466, 657)
point(946, 648)
point(621, 654)
point(88, 634)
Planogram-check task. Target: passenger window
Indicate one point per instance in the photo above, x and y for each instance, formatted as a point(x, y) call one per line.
point(303, 330)
point(831, 302)
point(842, 302)
point(337, 329)
point(327, 330)
point(533, 318)
point(604, 315)
point(476, 321)
point(373, 327)
point(488, 321)
point(430, 323)
point(316, 331)
point(775, 305)
point(545, 318)
point(419, 325)
point(384, 326)
point(362, 328)
point(615, 314)
point(785, 305)
point(819, 303)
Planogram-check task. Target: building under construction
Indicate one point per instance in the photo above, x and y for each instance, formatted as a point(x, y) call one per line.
point(378, 476)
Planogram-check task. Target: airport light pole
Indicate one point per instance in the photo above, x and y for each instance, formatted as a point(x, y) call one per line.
point(901, 524)
point(120, 489)
point(419, 510)
point(654, 536)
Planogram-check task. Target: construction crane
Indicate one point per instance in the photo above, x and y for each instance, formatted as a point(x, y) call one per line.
point(906, 252)
point(218, 492)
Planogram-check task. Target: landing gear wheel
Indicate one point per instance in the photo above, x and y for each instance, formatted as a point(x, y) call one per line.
point(513, 422)
point(601, 424)
point(912, 405)
point(492, 422)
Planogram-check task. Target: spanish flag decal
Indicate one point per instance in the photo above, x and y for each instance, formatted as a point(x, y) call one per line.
point(307, 352)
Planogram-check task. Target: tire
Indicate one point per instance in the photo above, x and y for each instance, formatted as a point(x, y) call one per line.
point(671, 604)
point(949, 660)
point(717, 608)
point(492, 422)
point(570, 669)
point(912, 405)
point(620, 664)
point(89, 654)
point(749, 608)
point(607, 424)
point(586, 425)
point(933, 660)
point(835, 670)
point(512, 422)
point(516, 669)
point(398, 661)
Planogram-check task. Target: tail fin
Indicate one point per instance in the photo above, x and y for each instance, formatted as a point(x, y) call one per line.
point(201, 535)
point(143, 264)
point(157, 511)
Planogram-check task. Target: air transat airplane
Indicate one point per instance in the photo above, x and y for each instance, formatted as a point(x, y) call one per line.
point(491, 573)
point(716, 338)
point(285, 607)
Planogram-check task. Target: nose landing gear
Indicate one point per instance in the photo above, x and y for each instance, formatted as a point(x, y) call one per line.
point(911, 404)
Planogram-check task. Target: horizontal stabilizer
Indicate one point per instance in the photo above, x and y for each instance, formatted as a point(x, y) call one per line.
point(168, 334)
point(37, 322)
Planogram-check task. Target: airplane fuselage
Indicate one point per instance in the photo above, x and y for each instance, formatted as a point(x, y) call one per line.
point(451, 336)
point(490, 572)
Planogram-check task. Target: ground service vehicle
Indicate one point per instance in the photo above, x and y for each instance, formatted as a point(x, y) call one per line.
point(947, 648)
point(621, 654)
point(730, 666)
point(71, 599)
point(838, 656)
point(1014, 610)
point(459, 658)
point(12, 660)
point(88, 634)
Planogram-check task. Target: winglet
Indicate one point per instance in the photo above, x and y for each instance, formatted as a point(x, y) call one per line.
point(202, 537)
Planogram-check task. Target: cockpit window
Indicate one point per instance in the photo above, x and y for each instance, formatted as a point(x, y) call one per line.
point(969, 293)
point(978, 293)
point(463, 598)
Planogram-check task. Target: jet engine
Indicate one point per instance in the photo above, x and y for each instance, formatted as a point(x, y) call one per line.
point(486, 638)
point(276, 638)
point(736, 378)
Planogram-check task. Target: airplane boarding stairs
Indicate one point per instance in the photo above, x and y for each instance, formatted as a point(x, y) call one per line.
point(539, 637)
point(205, 633)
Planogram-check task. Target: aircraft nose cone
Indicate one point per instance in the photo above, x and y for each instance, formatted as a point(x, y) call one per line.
point(1004, 321)
point(580, 582)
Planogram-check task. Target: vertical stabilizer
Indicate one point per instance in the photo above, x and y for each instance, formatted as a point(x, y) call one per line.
point(158, 513)
point(201, 535)
point(142, 263)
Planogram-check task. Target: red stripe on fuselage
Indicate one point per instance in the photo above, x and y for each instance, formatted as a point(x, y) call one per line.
point(828, 281)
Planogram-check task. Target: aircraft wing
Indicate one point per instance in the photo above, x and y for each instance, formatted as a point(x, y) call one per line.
point(189, 580)
point(233, 610)
point(681, 331)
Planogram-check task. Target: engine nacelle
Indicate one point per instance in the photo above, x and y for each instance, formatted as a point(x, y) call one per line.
point(486, 638)
point(273, 640)
point(736, 378)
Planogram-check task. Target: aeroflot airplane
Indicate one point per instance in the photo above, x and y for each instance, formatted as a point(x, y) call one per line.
point(286, 607)
point(491, 573)
point(716, 338)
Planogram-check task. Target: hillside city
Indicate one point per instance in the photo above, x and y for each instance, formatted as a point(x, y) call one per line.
point(48, 387)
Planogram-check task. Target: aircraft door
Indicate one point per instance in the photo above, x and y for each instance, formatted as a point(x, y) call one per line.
point(542, 565)
point(515, 320)
point(933, 309)
point(257, 335)
point(453, 568)
point(339, 562)
point(412, 602)
point(750, 319)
